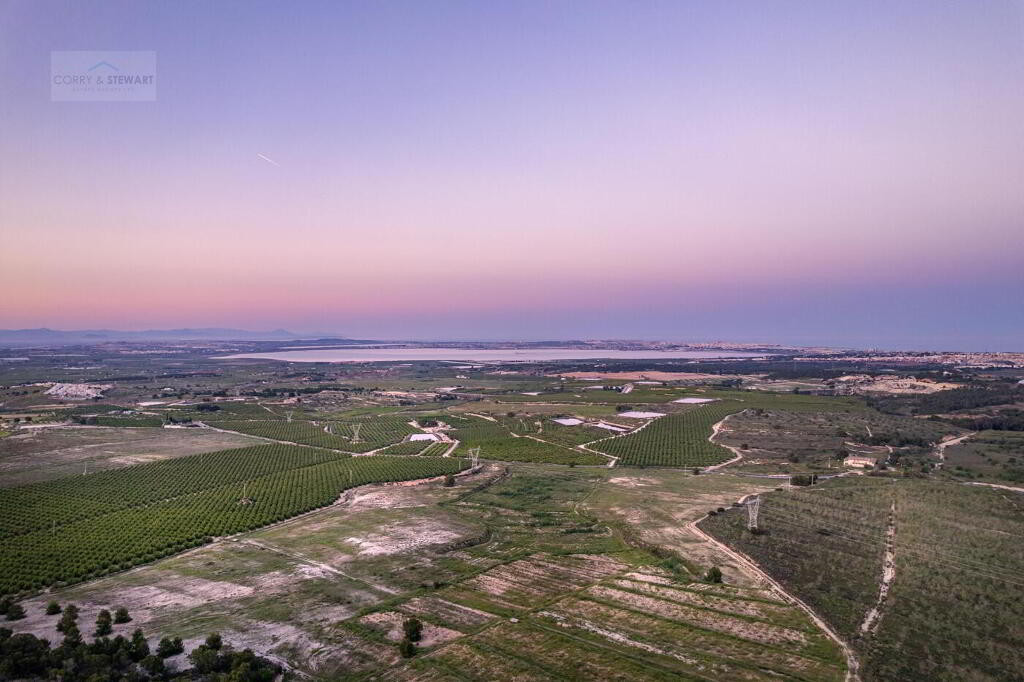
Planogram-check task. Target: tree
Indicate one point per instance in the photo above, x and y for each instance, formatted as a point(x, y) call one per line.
point(52, 609)
point(22, 656)
point(204, 659)
point(169, 647)
point(67, 620)
point(103, 626)
point(154, 665)
point(5, 605)
point(139, 646)
point(214, 641)
point(714, 575)
point(72, 637)
point(413, 629)
point(121, 616)
point(449, 481)
point(407, 648)
point(15, 612)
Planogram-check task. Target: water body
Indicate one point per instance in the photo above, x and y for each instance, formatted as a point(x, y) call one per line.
point(481, 355)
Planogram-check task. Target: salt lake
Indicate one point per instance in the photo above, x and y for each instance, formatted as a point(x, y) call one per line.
point(480, 355)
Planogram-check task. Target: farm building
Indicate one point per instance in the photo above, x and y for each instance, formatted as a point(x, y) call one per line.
point(860, 461)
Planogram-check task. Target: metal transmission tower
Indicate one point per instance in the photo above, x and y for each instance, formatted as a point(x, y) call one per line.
point(753, 506)
point(474, 456)
point(355, 432)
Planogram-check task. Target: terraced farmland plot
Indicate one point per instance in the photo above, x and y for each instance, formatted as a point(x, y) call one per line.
point(699, 641)
point(621, 626)
point(525, 584)
point(496, 442)
point(118, 519)
point(679, 439)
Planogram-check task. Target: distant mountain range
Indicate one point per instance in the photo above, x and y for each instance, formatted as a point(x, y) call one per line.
point(43, 336)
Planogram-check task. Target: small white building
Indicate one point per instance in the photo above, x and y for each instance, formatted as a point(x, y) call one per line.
point(860, 461)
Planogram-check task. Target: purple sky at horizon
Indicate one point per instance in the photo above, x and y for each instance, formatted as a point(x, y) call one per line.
point(842, 173)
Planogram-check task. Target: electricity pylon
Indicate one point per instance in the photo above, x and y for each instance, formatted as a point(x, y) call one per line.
point(753, 506)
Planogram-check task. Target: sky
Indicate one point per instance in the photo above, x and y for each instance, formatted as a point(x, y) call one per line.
point(837, 173)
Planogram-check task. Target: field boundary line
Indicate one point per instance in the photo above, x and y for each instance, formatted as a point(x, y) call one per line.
point(874, 615)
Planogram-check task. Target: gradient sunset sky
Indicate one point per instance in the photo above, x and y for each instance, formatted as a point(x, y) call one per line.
point(843, 173)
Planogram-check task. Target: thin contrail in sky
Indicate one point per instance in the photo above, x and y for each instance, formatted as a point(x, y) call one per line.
point(268, 160)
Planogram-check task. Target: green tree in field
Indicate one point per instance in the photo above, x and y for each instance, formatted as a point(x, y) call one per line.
point(139, 646)
point(169, 647)
point(413, 629)
point(714, 575)
point(52, 609)
point(407, 648)
point(72, 637)
point(67, 620)
point(154, 665)
point(214, 641)
point(449, 481)
point(121, 616)
point(15, 612)
point(103, 624)
point(203, 659)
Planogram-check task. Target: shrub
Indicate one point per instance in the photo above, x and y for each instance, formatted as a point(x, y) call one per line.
point(413, 629)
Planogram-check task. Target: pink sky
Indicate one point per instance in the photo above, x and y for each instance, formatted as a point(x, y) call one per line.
point(669, 161)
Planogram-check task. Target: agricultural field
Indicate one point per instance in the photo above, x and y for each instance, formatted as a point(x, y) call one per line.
point(411, 447)
point(679, 439)
point(995, 456)
point(72, 529)
point(572, 553)
point(325, 594)
point(301, 432)
point(350, 436)
point(32, 455)
point(783, 441)
point(950, 611)
point(128, 422)
point(496, 442)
